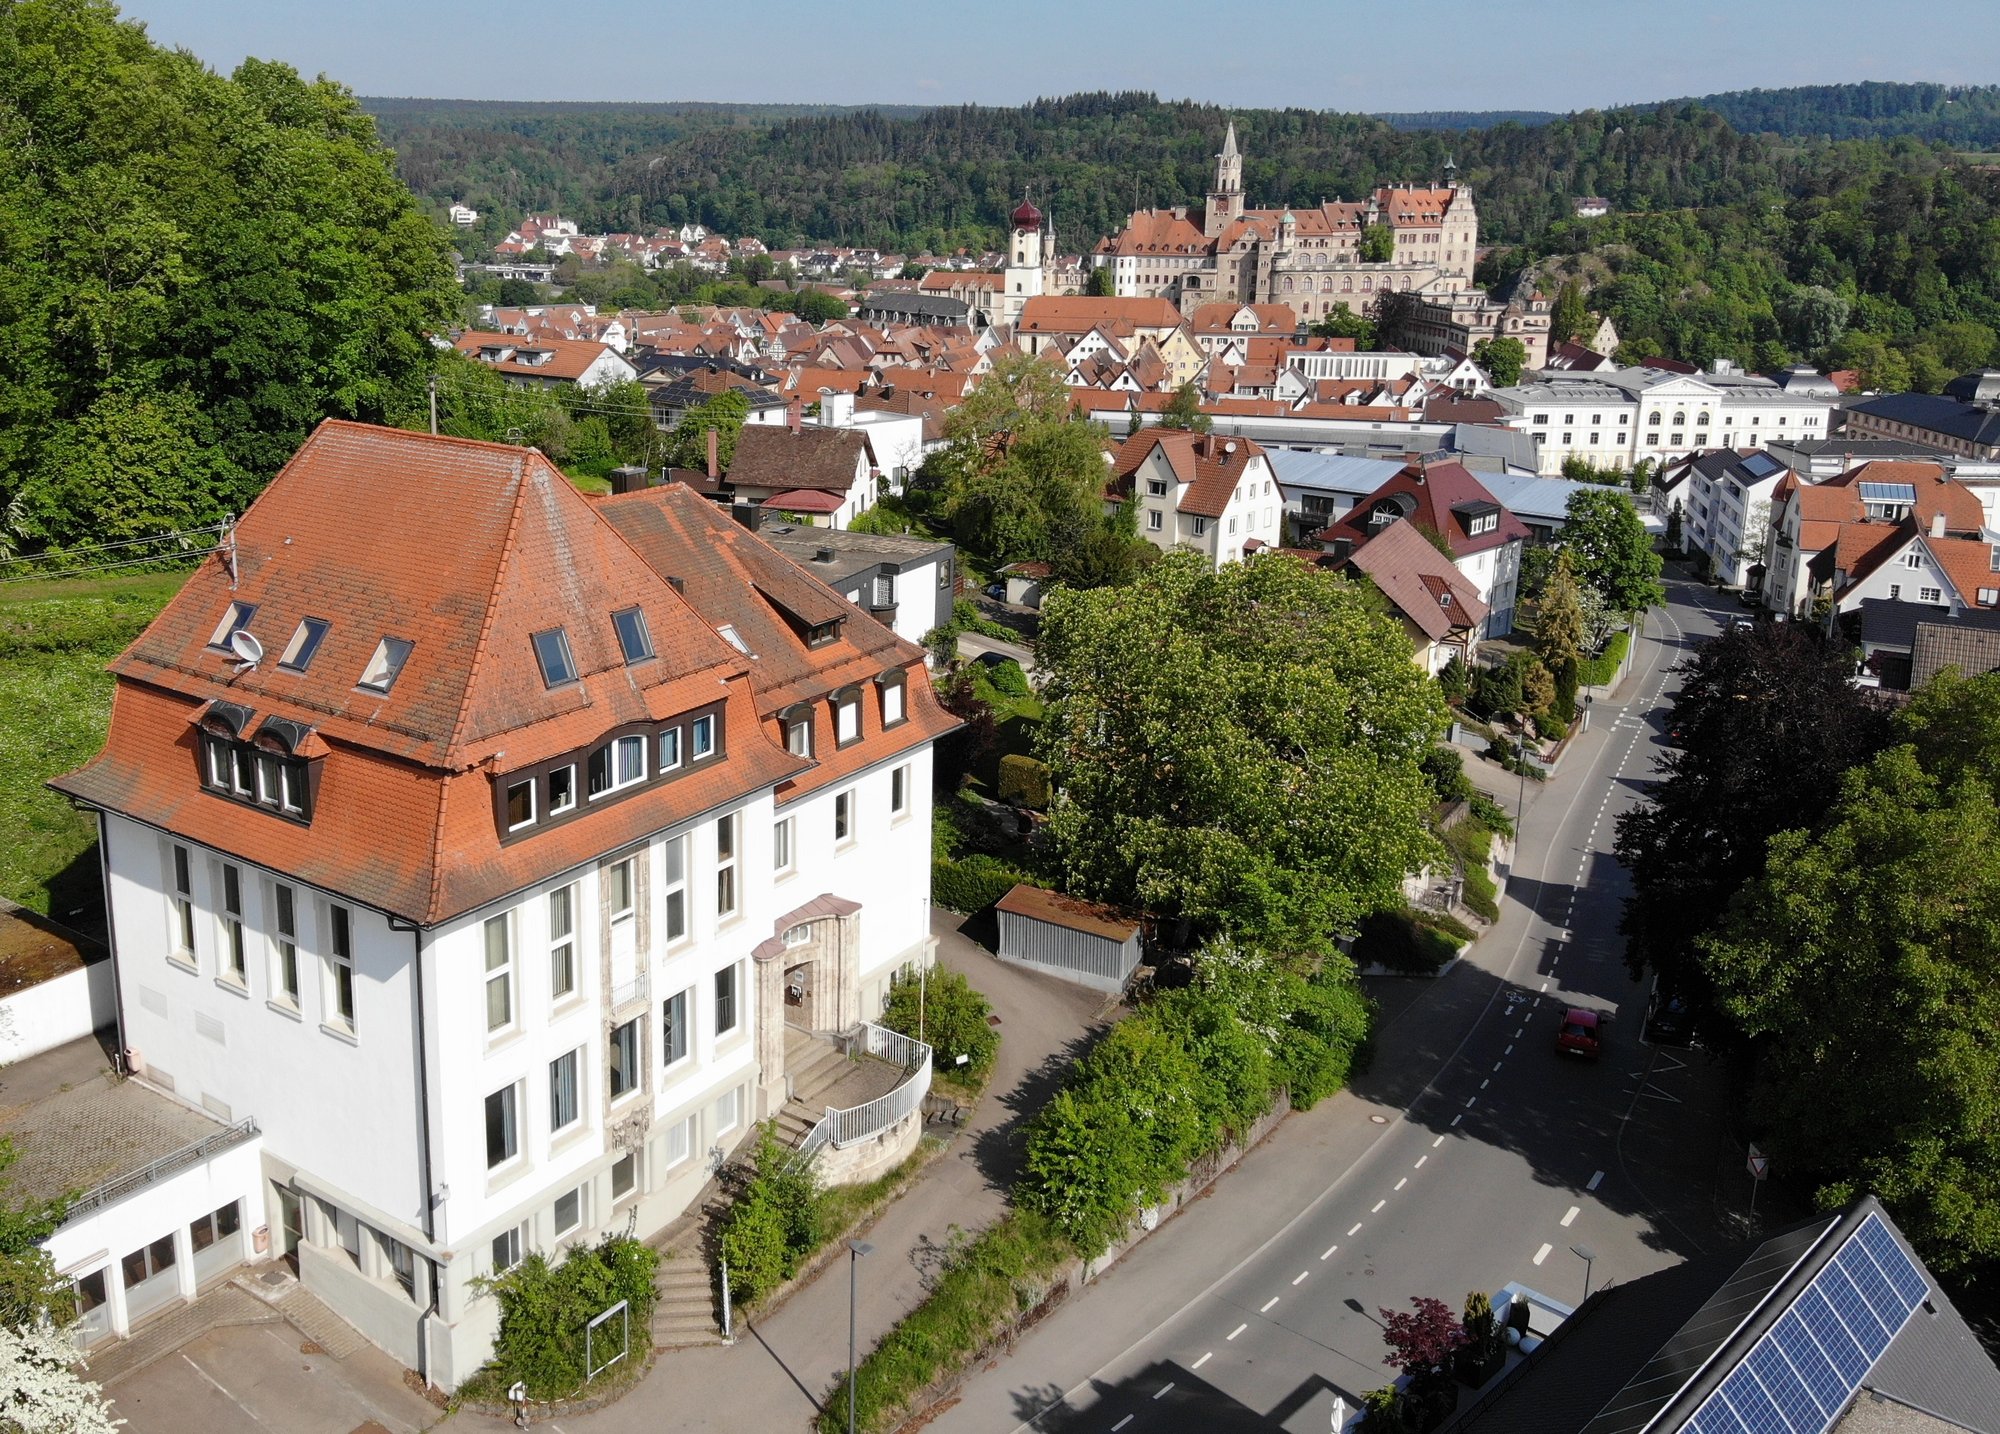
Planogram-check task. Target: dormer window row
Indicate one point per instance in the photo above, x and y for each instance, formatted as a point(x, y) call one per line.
point(628, 760)
point(262, 769)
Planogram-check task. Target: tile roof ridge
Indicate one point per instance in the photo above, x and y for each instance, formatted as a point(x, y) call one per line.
point(519, 478)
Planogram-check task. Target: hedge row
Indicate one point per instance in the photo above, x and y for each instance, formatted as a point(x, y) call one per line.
point(971, 883)
point(1601, 669)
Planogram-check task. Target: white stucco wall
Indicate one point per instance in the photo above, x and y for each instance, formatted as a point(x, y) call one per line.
point(54, 1012)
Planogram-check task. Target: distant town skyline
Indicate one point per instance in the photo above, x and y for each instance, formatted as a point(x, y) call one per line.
point(1438, 55)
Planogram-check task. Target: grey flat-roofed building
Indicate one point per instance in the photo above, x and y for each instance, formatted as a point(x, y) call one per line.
point(906, 583)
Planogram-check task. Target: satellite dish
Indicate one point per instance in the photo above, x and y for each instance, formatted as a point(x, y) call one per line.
point(246, 647)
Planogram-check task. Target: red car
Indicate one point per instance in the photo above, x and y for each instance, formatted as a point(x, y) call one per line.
point(1580, 1034)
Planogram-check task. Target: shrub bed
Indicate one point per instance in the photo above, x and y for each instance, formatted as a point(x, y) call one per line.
point(1407, 943)
point(972, 883)
point(1472, 844)
point(545, 1307)
point(954, 1020)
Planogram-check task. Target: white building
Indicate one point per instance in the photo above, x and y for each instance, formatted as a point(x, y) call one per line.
point(1213, 495)
point(1617, 417)
point(1726, 510)
point(463, 215)
point(494, 866)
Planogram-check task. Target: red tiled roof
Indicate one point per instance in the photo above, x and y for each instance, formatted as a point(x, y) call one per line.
point(1431, 491)
point(1413, 575)
point(1076, 314)
point(1208, 464)
point(783, 458)
point(569, 359)
point(403, 816)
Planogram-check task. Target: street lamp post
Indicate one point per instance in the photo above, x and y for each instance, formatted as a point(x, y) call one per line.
point(1589, 1258)
point(855, 1250)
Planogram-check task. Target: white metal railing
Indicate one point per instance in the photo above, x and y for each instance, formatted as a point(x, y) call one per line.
point(844, 1127)
point(625, 992)
point(119, 1186)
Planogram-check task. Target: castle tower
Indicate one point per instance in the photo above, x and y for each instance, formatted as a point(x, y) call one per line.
point(1225, 201)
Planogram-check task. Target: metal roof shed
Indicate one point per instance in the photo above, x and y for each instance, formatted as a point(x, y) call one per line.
point(1079, 941)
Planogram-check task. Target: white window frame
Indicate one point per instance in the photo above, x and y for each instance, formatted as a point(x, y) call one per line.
point(576, 1194)
point(670, 750)
point(527, 784)
point(674, 902)
point(285, 984)
point(180, 877)
point(846, 826)
point(846, 721)
point(629, 1160)
point(784, 846)
point(895, 703)
point(637, 1072)
point(573, 1060)
point(680, 1134)
point(728, 858)
point(562, 908)
point(1154, 521)
point(899, 792)
point(734, 1098)
point(341, 985)
point(500, 976)
point(556, 808)
point(728, 984)
point(677, 1015)
point(506, 1249)
point(701, 738)
point(509, 1096)
point(1933, 595)
point(233, 955)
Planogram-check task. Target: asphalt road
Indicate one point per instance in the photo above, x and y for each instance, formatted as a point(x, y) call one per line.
point(1468, 1156)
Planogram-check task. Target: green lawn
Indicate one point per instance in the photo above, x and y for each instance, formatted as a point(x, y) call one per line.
point(55, 699)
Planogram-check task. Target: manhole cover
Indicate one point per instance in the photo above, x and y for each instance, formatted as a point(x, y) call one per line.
point(274, 1278)
point(1379, 1119)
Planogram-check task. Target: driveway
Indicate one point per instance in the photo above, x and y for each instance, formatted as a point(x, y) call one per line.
point(255, 1378)
point(781, 1367)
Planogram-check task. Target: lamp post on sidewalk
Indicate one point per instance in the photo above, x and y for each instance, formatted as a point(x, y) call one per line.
point(1589, 1258)
point(855, 1250)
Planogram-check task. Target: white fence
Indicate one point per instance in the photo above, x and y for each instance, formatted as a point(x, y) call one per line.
point(840, 1128)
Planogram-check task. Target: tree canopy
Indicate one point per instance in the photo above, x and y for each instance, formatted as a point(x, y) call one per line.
point(1765, 722)
point(198, 270)
point(1239, 749)
point(1183, 411)
point(1502, 358)
point(1606, 541)
point(1865, 964)
point(1023, 476)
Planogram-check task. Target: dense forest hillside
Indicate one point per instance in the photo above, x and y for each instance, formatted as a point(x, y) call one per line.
point(1962, 116)
point(944, 177)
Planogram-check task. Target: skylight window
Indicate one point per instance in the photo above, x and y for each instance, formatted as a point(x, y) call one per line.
point(633, 638)
point(387, 664)
point(552, 652)
point(734, 638)
point(233, 621)
point(304, 646)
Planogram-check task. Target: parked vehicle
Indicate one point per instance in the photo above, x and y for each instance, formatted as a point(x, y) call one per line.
point(996, 591)
point(1580, 1034)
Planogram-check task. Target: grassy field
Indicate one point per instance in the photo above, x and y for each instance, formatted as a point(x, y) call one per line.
point(55, 698)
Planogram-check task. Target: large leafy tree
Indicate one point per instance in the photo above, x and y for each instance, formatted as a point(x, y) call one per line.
point(1765, 722)
point(1569, 316)
point(194, 270)
point(1608, 545)
point(1865, 963)
point(1238, 749)
point(1023, 476)
point(1502, 358)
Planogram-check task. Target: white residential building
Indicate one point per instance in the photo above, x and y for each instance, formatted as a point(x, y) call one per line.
point(493, 866)
point(1726, 510)
point(1213, 495)
point(1617, 417)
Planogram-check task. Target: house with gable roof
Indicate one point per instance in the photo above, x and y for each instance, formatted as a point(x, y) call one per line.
point(503, 872)
point(1440, 494)
point(1205, 492)
point(826, 477)
point(1824, 537)
point(1441, 610)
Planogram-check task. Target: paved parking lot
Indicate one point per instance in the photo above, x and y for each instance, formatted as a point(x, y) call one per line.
point(254, 1378)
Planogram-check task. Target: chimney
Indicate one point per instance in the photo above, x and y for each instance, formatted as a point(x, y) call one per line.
point(792, 412)
point(747, 515)
point(823, 555)
point(714, 465)
point(1937, 524)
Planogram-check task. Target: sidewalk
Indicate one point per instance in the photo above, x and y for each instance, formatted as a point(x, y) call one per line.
point(780, 1368)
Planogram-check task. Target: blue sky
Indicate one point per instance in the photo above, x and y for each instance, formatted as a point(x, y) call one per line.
point(1318, 54)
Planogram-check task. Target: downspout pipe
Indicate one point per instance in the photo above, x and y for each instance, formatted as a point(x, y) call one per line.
point(423, 1144)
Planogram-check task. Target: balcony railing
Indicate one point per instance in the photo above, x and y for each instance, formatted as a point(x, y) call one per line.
point(624, 993)
point(840, 1128)
point(173, 1163)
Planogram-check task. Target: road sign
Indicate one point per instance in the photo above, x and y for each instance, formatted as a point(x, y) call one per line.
point(1759, 1164)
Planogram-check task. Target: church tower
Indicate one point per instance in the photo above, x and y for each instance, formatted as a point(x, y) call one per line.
point(1025, 277)
point(1225, 200)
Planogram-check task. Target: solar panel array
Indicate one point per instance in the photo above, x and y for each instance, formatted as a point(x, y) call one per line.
point(1760, 465)
point(1802, 1372)
point(1888, 492)
point(1674, 1366)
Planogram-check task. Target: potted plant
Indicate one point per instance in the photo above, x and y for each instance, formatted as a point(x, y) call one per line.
point(1482, 1354)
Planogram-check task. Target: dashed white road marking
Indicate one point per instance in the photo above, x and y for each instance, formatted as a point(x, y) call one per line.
point(1471, 1101)
point(1122, 1423)
point(1454, 1120)
point(1401, 1183)
point(1238, 1330)
point(1496, 1067)
point(1266, 1307)
point(1574, 1211)
point(1163, 1390)
point(1510, 1049)
point(1485, 1083)
point(1594, 1181)
point(1543, 1253)
point(1440, 1140)
point(1420, 1162)
point(1329, 1252)
point(1301, 1279)
point(1203, 1360)
point(1378, 1207)
point(1355, 1231)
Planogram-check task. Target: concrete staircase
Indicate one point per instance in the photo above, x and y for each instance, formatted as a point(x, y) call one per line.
point(815, 1065)
point(685, 1311)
